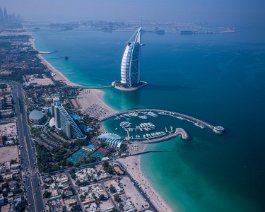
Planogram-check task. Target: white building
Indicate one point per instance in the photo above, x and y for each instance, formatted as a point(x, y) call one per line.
point(130, 65)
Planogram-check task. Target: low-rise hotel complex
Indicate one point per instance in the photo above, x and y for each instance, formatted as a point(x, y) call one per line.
point(111, 139)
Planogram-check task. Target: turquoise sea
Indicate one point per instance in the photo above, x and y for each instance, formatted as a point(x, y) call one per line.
point(218, 78)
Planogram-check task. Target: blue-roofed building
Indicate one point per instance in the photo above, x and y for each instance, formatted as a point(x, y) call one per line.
point(111, 139)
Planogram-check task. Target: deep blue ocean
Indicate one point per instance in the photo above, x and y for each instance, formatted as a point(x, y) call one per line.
point(218, 78)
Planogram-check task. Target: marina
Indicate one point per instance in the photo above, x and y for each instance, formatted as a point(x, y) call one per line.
point(155, 112)
point(145, 125)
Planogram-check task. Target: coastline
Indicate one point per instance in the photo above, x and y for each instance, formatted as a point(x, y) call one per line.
point(94, 98)
point(58, 76)
point(134, 167)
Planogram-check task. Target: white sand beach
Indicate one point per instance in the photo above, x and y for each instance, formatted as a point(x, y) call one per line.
point(133, 166)
point(58, 76)
point(91, 103)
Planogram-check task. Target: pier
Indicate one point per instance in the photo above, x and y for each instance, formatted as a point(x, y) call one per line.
point(197, 122)
point(42, 52)
point(92, 87)
point(179, 131)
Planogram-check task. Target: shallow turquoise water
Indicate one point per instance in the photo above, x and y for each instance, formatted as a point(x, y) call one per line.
point(217, 78)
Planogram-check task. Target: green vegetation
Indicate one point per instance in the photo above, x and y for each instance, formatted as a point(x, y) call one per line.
point(47, 194)
point(35, 131)
point(112, 189)
point(3, 86)
point(117, 198)
point(76, 207)
point(102, 197)
point(4, 138)
point(108, 168)
point(56, 159)
point(123, 148)
point(72, 173)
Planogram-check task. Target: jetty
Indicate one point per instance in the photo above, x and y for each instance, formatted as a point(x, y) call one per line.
point(180, 131)
point(43, 52)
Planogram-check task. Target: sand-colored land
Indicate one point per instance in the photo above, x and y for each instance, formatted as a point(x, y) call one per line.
point(9, 129)
point(57, 75)
point(5, 208)
point(91, 103)
point(133, 166)
point(8, 153)
point(35, 80)
point(139, 202)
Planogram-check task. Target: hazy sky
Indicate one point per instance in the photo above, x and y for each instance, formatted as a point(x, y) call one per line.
point(238, 12)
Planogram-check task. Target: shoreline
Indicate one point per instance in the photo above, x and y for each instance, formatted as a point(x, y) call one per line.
point(94, 98)
point(58, 76)
point(134, 166)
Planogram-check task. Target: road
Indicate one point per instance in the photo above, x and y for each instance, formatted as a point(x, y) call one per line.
point(27, 152)
point(139, 189)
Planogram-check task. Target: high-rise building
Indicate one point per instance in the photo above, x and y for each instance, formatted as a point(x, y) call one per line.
point(1, 15)
point(130, 65)
point(9, 21)
point(63, 121)
point(5, 14)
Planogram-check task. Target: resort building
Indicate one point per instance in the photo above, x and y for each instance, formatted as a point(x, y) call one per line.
point(130, 65)
point(111, 140)
point(65, 122)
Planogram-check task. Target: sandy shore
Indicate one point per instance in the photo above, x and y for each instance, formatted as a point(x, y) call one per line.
point(58, 76)
point(90, 101)
point(133, 165)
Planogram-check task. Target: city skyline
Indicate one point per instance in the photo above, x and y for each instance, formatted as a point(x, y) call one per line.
point(228, 12)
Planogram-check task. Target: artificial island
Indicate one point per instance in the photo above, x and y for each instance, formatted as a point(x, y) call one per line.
point(130, 65)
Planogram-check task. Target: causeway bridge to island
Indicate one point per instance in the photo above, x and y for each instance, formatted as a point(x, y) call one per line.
point(92, 87)
point(181, 116)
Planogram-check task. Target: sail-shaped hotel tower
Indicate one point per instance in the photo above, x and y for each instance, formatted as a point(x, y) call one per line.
point(130, 65)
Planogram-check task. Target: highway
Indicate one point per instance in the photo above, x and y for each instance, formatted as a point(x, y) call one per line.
point(27, 152)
